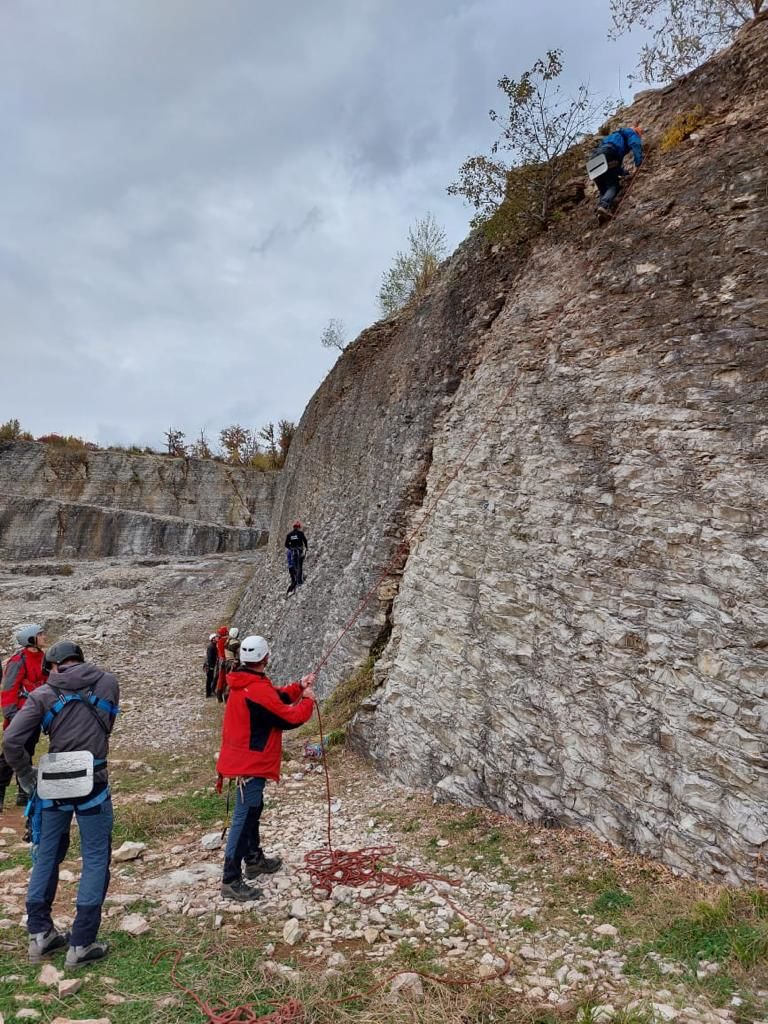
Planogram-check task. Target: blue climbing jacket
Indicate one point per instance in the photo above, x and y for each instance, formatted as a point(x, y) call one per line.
point(626, 141)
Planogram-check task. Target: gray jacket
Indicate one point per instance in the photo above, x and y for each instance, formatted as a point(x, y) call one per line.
point(75, 727)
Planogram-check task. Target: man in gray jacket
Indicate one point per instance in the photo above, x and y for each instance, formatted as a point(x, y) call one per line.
point(77, 709)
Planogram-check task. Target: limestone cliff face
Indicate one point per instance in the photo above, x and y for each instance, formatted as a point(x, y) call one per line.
point(356, 470)
point(580, 632)
point(56, 500)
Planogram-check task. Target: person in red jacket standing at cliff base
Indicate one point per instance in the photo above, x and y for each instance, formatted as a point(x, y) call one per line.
point(25, 670)
point(251, 751)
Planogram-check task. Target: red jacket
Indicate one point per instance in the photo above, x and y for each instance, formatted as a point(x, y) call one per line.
point(23, 673)
point(256, 715)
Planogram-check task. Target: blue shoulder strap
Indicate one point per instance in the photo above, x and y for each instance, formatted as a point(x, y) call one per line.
point(91, 701)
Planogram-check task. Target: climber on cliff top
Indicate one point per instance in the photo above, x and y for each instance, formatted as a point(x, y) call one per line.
point(24, 672)
point(257, 712)
point(296, 548)
point(606, 165)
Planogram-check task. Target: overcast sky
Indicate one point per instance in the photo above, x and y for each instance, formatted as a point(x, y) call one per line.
point(190, 189)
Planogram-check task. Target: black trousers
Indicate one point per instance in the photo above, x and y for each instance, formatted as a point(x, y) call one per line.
point(6, 772)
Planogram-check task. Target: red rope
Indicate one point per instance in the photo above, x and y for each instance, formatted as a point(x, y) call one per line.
point(247, 1013)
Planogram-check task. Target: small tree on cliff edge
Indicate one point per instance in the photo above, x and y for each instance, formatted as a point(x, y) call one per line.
point(538, 128)
point(685, 32)
point(174, 440)
point(412, 271)
point(334, 335)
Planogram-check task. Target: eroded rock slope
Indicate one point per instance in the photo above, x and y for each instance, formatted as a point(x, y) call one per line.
point(60, 501)
point(581, 636)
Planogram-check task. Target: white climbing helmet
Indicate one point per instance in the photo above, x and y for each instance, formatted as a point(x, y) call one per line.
point(234, 633)
point(211, 637)
point(27, 634)
point(253, 650)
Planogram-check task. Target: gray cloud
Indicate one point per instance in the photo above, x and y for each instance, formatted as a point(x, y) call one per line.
point(191, 189)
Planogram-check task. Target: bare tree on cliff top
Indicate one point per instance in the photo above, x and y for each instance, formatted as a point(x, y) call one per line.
point(412, 271)
point(174, 440)
point(538, 129)
point(685, 32)
point(333, 335)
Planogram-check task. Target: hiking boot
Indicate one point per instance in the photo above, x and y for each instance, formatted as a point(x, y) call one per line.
point(78, 956)
point(604, 213)
point(43, 944)
point(262, 866)
point(21, 798)
point(240, 891)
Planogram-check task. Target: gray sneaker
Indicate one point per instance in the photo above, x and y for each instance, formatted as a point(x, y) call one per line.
point(240, 891)
point(43, 944)
point(78, 956)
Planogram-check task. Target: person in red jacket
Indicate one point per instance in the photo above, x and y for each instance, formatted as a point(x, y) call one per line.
point(25, 670)
point(251, 751)
point(222, 635)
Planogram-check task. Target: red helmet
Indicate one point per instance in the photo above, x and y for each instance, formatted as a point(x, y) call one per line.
point(636, 129)
point(297, 525)
point(223, 631)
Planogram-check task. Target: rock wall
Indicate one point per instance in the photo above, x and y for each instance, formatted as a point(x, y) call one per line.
point(581, 636)
point(356, 470)
point(78, 503)
point(44, 527)
point(194, 489)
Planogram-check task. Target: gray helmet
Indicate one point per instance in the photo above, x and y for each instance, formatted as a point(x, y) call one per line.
point(27, 634)
point(64, 650)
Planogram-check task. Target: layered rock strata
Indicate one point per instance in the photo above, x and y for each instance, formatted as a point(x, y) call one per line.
point(196, 489)
point(581, 636)
point(56, 500)
point(45, 527)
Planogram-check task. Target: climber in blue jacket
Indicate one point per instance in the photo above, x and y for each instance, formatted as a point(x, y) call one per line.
point(614, 148)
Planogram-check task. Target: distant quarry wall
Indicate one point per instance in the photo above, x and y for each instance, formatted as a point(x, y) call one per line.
point(56, 500)
point(579, 633)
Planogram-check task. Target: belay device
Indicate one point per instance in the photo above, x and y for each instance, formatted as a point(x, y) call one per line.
point(66, 775)
point(597, 165)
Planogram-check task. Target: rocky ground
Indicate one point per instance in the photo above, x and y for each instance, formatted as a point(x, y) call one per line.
point(146, 619)
point(549, 926)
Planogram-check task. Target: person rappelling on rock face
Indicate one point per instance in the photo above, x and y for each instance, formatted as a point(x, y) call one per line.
point(606, 165)
point(296, 548)
point(24, 672)
point(251, 751)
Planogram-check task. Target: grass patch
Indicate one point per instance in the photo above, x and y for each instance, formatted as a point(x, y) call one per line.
point(611, 901)
point(732, 932)
point(143, 823)
point(211, 967)
point(341, 706)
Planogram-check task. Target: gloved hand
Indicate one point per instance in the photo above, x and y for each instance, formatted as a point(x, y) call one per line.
point(308, 680)
point(27, 779)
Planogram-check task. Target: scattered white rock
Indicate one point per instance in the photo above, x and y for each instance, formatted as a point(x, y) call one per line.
point(29, 1014)
point(406, 986)
point(49, 976)
point(128, 851)
point(299, 910)
point(134, 924)
point(371, 935)
point(68, 986)
point(291, 931)
point(211, 841)
point(607, 929)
